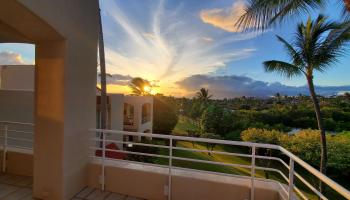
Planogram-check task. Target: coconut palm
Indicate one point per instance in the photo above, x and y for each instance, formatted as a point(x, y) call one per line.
point(140, 86)
point(260, 14)
point(316, 46)
point(203, 95)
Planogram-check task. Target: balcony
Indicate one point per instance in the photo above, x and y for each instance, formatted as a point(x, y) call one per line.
point(168, 176)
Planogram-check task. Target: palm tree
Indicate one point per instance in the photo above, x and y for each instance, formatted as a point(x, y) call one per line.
point(140, 86)
point(203, 95)
point(316, 46)
point(260, 14)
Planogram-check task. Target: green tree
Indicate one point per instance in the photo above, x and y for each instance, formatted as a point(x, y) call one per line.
point(140, 86)
point(216, 119)
point(316, 46)
point(261, 14)
point(164, 116)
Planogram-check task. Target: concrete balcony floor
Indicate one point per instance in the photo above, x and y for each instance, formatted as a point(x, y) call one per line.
point(13, 187)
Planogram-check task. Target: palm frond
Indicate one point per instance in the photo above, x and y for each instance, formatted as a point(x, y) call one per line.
point(285, 69)
point(260, 14)
point(294, 54)
point(333, 46)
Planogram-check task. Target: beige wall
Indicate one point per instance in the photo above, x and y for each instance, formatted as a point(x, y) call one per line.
point(149, 184)
point(17, 106)
point(18, 163)
point(65, 33)
point(17, 77)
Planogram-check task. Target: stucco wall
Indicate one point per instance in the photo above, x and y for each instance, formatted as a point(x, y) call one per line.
point(65, 34)
point(148, 182)
point(17, 77)
point(18, 163)
point(17, 106)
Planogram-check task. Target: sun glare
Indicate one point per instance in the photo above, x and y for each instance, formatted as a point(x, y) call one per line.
point(147, 88)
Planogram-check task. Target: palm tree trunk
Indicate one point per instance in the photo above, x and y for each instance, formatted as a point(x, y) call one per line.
point(347, 4)
point(323, 162)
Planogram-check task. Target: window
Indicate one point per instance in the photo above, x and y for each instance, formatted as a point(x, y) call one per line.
point(146, 113)
point(128, 114)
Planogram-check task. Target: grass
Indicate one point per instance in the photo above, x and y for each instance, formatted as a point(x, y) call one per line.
point(183, 125)
point(346, 133)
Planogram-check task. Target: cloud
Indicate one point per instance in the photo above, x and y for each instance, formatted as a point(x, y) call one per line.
point(224, 18)
point(10, 58)
point(237, 86)
point(116, 79)
point(207, 39)
point(167, 46)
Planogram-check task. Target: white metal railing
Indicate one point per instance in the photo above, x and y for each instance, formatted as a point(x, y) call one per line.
point(15, 135)
point(292, 176)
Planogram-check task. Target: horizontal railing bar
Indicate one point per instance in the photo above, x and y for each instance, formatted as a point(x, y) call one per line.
point(132, 152)
point(130, 161)
point(16, 131)
point(133, 143)
point(283, 189)
point(300, 193)
point(17, 147)
point(182, 138)
point(209, 151)
point(211, 162)
point(19, 139)
point(19, 123)
point(340, 189)
point(312, 188)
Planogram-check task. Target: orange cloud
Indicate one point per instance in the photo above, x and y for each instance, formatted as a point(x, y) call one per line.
point(224, 18)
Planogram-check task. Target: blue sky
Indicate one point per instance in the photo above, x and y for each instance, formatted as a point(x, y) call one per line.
point(170, 41)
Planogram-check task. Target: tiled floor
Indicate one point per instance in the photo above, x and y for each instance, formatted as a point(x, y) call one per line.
point(14, 187)
point(95, 194)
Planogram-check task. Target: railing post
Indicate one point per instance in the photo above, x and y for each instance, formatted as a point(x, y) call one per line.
point(103, 161)
point(4, 149)
point(252, 174)
point(291, 179)
point(170, 166)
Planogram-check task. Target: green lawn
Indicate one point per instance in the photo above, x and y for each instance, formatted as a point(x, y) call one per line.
point(183, 125)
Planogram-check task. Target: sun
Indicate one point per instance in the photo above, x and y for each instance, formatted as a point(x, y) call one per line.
point(147, 88)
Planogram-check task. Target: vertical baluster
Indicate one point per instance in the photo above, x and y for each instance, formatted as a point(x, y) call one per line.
point(170, 166)
point(4, 149)
point(291, 178)
point(103, 160)
point(252, 193)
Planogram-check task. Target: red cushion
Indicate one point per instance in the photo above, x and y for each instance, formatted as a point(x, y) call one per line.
point(111, 154)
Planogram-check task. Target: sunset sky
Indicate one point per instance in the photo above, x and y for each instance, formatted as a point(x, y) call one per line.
point(183, 45)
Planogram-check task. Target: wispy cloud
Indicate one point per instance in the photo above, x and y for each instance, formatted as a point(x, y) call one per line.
point(224, 18)
point(167, 46)
point(10, 58)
